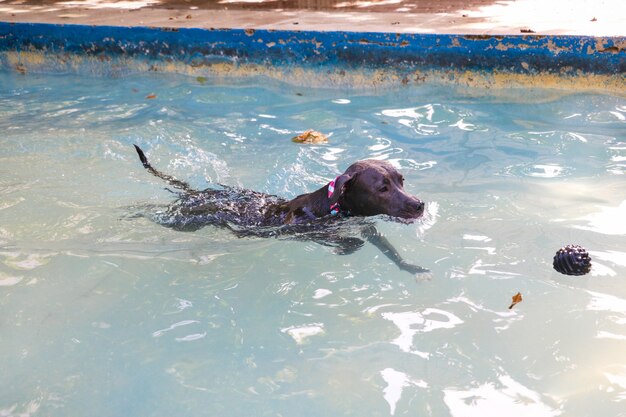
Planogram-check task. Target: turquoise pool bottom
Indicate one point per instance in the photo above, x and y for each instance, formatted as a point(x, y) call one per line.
point(113, 313)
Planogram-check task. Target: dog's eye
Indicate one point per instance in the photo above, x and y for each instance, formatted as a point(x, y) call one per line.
point(383, 189)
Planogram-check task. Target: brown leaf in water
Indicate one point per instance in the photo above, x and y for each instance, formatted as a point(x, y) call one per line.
point(151, 96)
point(310, 137)
point(517, 298)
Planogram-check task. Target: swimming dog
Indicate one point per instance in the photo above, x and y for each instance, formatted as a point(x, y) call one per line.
point(367, 188)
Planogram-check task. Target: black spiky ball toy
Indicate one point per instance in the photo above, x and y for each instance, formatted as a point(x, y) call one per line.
point(572, 260)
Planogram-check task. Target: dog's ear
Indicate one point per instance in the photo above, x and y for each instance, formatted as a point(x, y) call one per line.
point(342, 183)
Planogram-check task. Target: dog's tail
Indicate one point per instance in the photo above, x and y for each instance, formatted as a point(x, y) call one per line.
point(170, 180)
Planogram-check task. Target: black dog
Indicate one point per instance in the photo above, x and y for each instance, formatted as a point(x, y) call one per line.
point(367, 188)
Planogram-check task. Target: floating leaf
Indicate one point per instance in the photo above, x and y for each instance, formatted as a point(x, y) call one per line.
point(201, 80)
point(517, 298)
point(310, 137)
point(151, 96)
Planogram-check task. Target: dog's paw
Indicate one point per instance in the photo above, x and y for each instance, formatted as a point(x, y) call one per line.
point(413, 269)
point(424, 276)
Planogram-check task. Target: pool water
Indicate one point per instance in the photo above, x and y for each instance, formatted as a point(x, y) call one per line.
point(107, 313)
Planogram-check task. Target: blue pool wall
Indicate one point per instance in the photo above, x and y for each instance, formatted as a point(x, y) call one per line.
point(324, 58)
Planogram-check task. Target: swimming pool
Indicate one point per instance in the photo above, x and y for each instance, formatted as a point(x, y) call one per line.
point(106, 313)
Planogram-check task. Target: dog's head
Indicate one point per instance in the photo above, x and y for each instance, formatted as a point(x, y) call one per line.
point(372, 187)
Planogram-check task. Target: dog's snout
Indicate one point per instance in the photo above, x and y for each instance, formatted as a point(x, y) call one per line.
point(412, 207)
point(417, 205)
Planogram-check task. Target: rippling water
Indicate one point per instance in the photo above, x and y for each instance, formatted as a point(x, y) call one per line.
point(109, 314)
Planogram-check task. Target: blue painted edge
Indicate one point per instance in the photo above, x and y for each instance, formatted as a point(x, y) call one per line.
point(524, 54)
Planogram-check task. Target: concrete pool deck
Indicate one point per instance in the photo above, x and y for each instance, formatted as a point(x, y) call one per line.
point(474, 17)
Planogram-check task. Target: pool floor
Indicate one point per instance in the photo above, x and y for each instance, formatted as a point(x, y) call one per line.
point(107, 313)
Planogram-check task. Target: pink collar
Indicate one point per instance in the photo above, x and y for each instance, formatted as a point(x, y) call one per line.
point(335, 208)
